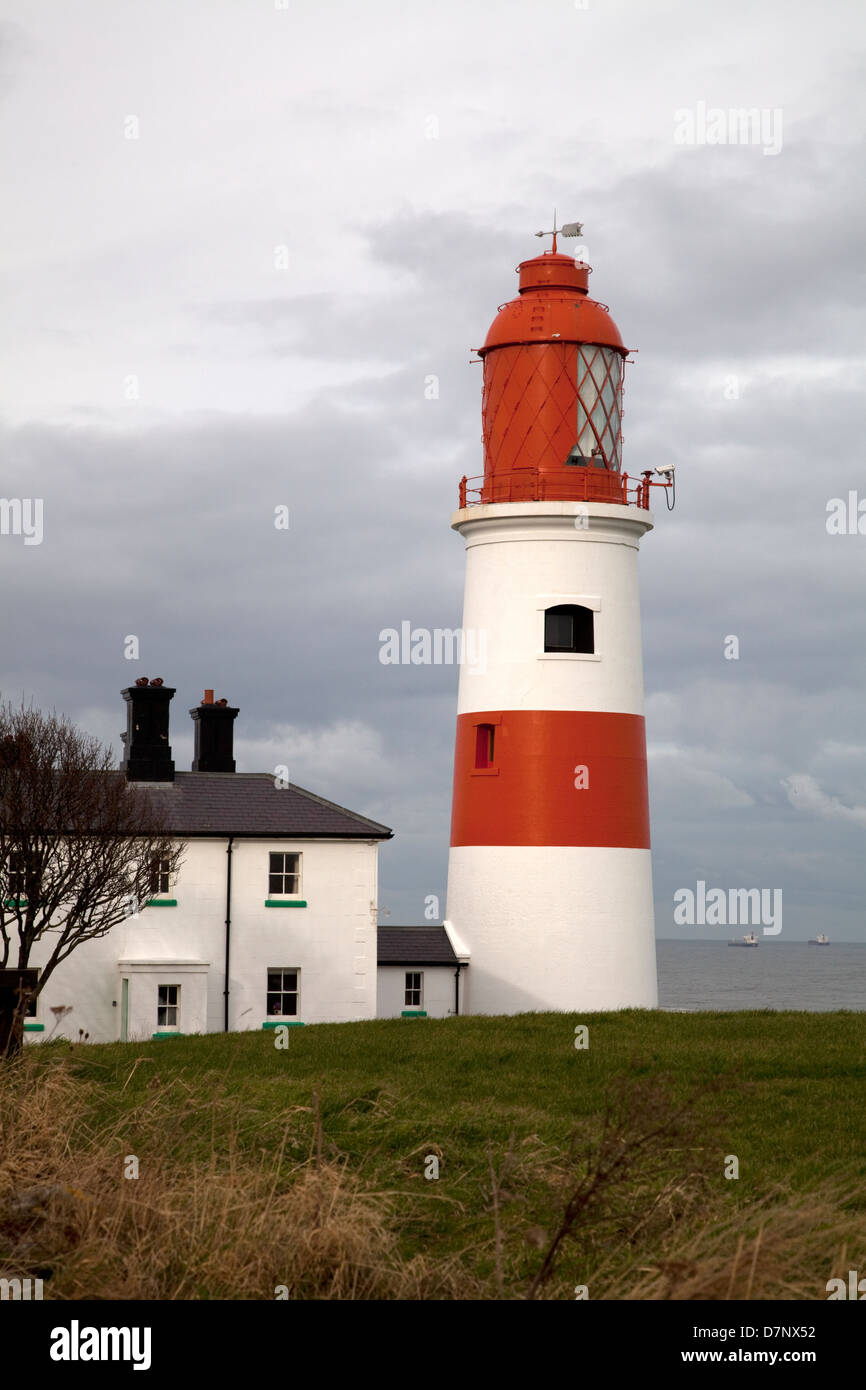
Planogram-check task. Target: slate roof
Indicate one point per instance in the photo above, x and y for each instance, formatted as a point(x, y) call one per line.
point(250, 804)
point(415, 946)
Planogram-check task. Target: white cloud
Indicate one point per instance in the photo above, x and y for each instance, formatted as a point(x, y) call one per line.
point(347, 750)
point(679, 774)
point(832, 749)
point(805, 794)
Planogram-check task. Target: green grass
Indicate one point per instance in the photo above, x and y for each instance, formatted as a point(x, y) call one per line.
point(782, 1091)
point(393, 1088)
point(791, 1083)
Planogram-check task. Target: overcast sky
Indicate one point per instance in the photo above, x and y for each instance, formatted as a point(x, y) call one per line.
point(238, 237)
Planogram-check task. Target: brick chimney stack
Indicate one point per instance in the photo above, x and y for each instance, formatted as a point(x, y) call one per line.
point(147, 752)
point(214, 735)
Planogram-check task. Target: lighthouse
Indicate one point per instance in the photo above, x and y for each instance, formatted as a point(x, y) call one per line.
point(549, 874)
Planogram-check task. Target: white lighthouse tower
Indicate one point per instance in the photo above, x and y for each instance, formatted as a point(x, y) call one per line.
point(549, 876)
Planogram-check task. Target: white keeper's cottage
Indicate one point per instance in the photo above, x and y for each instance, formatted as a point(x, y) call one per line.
point(272, 917)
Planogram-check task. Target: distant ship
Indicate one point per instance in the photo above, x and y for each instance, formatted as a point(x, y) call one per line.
point(750, 940)
point(819, 940)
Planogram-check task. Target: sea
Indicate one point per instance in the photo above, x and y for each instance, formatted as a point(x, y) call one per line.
point(773, 975)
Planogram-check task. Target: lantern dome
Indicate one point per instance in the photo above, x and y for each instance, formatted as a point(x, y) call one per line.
point(553, 303)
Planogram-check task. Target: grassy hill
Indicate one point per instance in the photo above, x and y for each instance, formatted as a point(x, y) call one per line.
point(305, 1168)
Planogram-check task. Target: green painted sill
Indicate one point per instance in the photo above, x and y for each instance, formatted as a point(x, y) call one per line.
point(414, 1013)
point(15, 902)
point(161, 902)
point(34, 1028)
point(282, 1023)
point(285, 902)
point(167, 1035)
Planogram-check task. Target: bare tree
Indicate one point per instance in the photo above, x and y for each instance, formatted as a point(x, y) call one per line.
point(79, 845)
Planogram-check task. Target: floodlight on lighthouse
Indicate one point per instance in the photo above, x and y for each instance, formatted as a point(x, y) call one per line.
point(668, 471)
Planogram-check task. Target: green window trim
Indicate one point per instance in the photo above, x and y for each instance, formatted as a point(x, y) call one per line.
point(16, 902)
point(414, 1013)
point(282, 1023)
point(161, 902)
point(34, 1028)
point(168, 1035)
point(285, 902)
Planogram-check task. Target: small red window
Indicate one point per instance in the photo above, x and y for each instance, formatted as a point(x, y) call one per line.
point(484, 741)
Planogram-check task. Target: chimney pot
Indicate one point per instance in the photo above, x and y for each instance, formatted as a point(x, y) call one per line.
point(147, 755)
point(214, 733)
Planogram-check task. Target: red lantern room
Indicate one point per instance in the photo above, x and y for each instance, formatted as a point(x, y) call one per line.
point(552, 402)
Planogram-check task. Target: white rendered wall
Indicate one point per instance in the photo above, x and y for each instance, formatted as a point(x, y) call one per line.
point(521, 558)
point(555, 928)
point(438, 1000)
point(332, 941)
point(144, 979)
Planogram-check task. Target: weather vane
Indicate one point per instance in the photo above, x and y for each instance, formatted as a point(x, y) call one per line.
point(569, 229)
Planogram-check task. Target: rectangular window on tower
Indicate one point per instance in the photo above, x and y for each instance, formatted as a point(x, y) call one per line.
point(485, 745)
point(569, 627)
point(483, 751)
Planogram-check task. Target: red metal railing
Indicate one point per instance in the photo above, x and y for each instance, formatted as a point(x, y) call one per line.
point(572, 484)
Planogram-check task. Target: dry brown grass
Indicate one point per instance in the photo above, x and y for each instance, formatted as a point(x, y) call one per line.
point(629, 1208)
point(782, 1246)
point(616, 1185)
point(234, 1229)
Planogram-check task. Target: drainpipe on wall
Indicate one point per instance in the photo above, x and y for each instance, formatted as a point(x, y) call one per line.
point(228, 931)
point(457, 990)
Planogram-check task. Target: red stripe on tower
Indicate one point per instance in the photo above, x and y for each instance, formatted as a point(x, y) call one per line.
point(550, 777)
